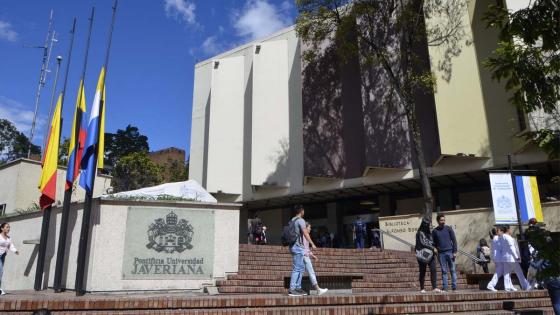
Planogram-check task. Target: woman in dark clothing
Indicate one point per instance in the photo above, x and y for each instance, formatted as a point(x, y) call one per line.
point(483, 253)
point(425, 244)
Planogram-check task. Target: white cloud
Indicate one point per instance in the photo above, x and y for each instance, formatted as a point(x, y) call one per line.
point(6, 32)
point(22, 118)
point(181, 9)
point(261, 18)
point(210, 46)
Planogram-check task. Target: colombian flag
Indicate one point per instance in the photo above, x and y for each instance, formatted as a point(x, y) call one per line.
point(94, 140)
point(77, 138)
point(528, 198)
point(47, 183)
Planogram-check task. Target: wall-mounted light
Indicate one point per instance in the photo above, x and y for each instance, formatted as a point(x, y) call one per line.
point(257, 49)
point(216, 64)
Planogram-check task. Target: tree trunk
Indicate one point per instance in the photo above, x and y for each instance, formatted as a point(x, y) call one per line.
point(410, 108)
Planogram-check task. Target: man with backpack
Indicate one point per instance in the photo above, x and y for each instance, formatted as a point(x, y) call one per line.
point(359, 230)
point(292, 236)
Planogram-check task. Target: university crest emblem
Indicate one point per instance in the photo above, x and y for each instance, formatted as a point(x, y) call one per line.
point(170, 235)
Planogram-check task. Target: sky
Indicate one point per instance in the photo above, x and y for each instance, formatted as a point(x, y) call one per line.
point(156, 44)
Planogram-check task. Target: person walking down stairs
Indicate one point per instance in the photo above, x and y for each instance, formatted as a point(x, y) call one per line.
point(309, 264)
point(512, 259)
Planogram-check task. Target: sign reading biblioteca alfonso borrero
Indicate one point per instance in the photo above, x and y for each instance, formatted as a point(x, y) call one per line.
point(168, 243)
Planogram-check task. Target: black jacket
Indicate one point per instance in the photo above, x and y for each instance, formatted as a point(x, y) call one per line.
point(424, 240)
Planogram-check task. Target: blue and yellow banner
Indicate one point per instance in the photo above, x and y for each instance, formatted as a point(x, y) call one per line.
point(528, 198)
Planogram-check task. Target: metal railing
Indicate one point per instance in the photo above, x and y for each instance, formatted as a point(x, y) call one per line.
point(472, 257)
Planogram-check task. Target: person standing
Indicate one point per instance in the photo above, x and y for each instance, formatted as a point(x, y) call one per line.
point(297, 249)
point(446, 245)
point(425, 244)
point(309, 264)
point(5, 245)
point(512, 258)
point(359, 230)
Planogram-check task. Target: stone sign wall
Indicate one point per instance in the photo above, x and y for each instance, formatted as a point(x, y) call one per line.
point(168, 243)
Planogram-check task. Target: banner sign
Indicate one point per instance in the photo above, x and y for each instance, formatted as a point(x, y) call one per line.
point(528, 198)
point(164, 243)
point(503, 198)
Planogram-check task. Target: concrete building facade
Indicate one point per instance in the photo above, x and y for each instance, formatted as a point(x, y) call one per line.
point(270, 130)
point(19, 180)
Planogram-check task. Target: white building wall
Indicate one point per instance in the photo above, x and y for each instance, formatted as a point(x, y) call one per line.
point(19, 185)
point(225, 145)
point(199, 127)
point(270, 115)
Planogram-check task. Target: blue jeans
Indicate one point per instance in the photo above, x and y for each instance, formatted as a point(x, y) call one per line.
point(553, 287)
point(298, 267)
point(2, 259)
point(359, 242)
point(448, 265)
point(310, 271)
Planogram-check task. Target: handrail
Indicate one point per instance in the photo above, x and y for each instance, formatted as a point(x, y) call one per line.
point(467, 254)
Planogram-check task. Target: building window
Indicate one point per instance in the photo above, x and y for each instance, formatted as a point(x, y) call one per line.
point(2, 210)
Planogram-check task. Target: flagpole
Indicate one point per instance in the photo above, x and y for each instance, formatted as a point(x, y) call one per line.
point(61, 250)
point(86, 217)
point(47, 211)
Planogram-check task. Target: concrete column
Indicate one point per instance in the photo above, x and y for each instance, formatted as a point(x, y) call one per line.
point(445, 199)
point(243, 228)
point(334, 217)
point(385, 206)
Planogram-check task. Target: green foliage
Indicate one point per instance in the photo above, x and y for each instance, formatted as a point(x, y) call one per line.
point(124, 142)
point(63, 152)
point(528, 61)
point(177, 170)
point(13, 143)
point(134, 171)
point(547, 246)
point(34, 207)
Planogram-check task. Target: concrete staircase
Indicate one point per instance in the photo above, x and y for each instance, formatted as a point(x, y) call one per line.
point(387, 284)
point(262, 269)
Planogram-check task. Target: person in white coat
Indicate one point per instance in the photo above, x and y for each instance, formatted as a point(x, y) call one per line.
point(5, 246)
point(511, 259)
point(497, 258)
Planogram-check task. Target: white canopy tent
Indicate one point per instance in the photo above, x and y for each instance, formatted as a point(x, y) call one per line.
point(186, 190)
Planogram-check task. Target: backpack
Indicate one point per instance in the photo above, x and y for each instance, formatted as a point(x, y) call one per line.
point(289, 234)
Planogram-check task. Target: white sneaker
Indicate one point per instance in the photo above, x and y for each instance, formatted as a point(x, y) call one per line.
point(511, 289)
point(322, 291)
point(2, 292)
point(491, 289)
point(436, 290)
point(422, 291)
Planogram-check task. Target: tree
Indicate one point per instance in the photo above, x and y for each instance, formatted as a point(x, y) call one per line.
point(176, 170)
point(124, 142)
point(391, 37)
point(528, 60)
point(63, 152)
point(134, 171)
point(13, 143)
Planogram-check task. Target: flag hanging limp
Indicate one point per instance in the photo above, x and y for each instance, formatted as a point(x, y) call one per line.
point(47, 183)
point(94, 146)
point(77, 138)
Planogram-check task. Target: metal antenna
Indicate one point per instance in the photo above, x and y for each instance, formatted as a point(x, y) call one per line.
point(58, 60)
point(47, 48)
